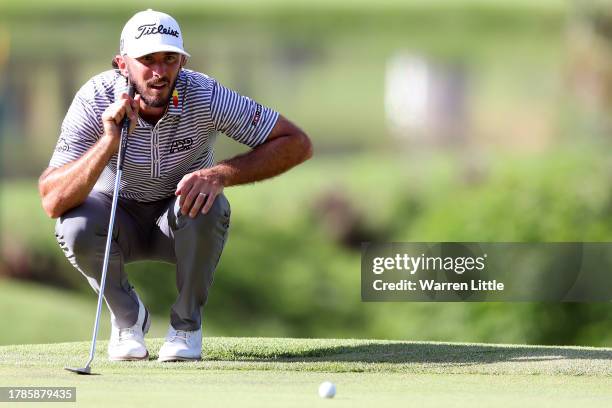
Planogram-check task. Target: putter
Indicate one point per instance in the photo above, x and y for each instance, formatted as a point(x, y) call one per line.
point(122, 148)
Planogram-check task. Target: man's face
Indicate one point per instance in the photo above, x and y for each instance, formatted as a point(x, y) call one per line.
point(154, 76)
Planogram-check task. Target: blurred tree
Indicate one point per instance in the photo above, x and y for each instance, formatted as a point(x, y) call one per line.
point(590, 61)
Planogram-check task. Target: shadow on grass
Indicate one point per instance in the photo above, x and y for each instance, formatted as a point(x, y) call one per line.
point(401, 353)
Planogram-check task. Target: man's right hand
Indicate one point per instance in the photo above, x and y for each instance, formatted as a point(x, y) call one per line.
point(113, 117)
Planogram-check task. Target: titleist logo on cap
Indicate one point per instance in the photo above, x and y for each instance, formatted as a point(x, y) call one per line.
point(148, 29)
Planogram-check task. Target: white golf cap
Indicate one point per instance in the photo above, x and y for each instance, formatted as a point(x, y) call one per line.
point(151, 31)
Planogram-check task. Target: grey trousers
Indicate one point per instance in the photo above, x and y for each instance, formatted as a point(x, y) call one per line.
point(146, 231)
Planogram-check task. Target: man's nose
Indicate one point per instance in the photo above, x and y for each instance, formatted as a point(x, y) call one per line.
point(159, 69)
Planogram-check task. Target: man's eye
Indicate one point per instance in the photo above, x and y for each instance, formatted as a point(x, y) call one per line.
point(171, 59)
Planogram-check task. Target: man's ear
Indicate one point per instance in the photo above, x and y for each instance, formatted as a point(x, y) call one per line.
point(121, 65)
point(183, 61)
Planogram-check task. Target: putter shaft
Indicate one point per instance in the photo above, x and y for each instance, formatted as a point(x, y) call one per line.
point(109, 238)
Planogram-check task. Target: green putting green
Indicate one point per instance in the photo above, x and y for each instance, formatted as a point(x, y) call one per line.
point(287, 372)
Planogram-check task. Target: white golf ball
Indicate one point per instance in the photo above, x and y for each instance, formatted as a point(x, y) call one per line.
point(327, 390)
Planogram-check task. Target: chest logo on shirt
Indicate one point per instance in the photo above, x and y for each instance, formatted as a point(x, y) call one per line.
point(181, 145)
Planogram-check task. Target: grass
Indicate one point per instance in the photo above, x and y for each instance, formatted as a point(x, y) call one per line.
point(286, 372)
point(336, 356)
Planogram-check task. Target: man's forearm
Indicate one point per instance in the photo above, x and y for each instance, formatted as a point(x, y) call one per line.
point(265, 161)
point(68, 186)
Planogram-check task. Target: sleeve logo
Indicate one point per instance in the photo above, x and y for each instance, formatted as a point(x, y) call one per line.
point(62, 146)
point(256, 116)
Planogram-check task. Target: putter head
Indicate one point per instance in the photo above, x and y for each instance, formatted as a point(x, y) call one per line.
point(82, 371)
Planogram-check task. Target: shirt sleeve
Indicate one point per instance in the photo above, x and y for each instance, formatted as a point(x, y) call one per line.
point(240, 117)
point(80, 130)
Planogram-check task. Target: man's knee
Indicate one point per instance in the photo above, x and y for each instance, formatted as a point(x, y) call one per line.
point(82, 227)
point(218, 215)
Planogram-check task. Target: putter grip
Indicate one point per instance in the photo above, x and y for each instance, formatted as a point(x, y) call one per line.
point(125, 128)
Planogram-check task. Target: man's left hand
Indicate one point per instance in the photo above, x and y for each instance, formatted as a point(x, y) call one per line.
point(198, 191)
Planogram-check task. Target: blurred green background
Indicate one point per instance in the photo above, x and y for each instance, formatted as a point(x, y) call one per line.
point(465, 120)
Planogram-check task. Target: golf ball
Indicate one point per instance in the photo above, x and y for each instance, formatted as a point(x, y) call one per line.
point(327, 390)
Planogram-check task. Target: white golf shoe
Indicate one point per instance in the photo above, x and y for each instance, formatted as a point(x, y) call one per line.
point(128, 343)
point(181, 345)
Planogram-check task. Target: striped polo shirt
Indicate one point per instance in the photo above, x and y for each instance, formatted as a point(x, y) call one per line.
point(181, 142)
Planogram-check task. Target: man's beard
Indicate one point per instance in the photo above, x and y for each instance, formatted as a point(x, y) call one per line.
point(154, 102)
